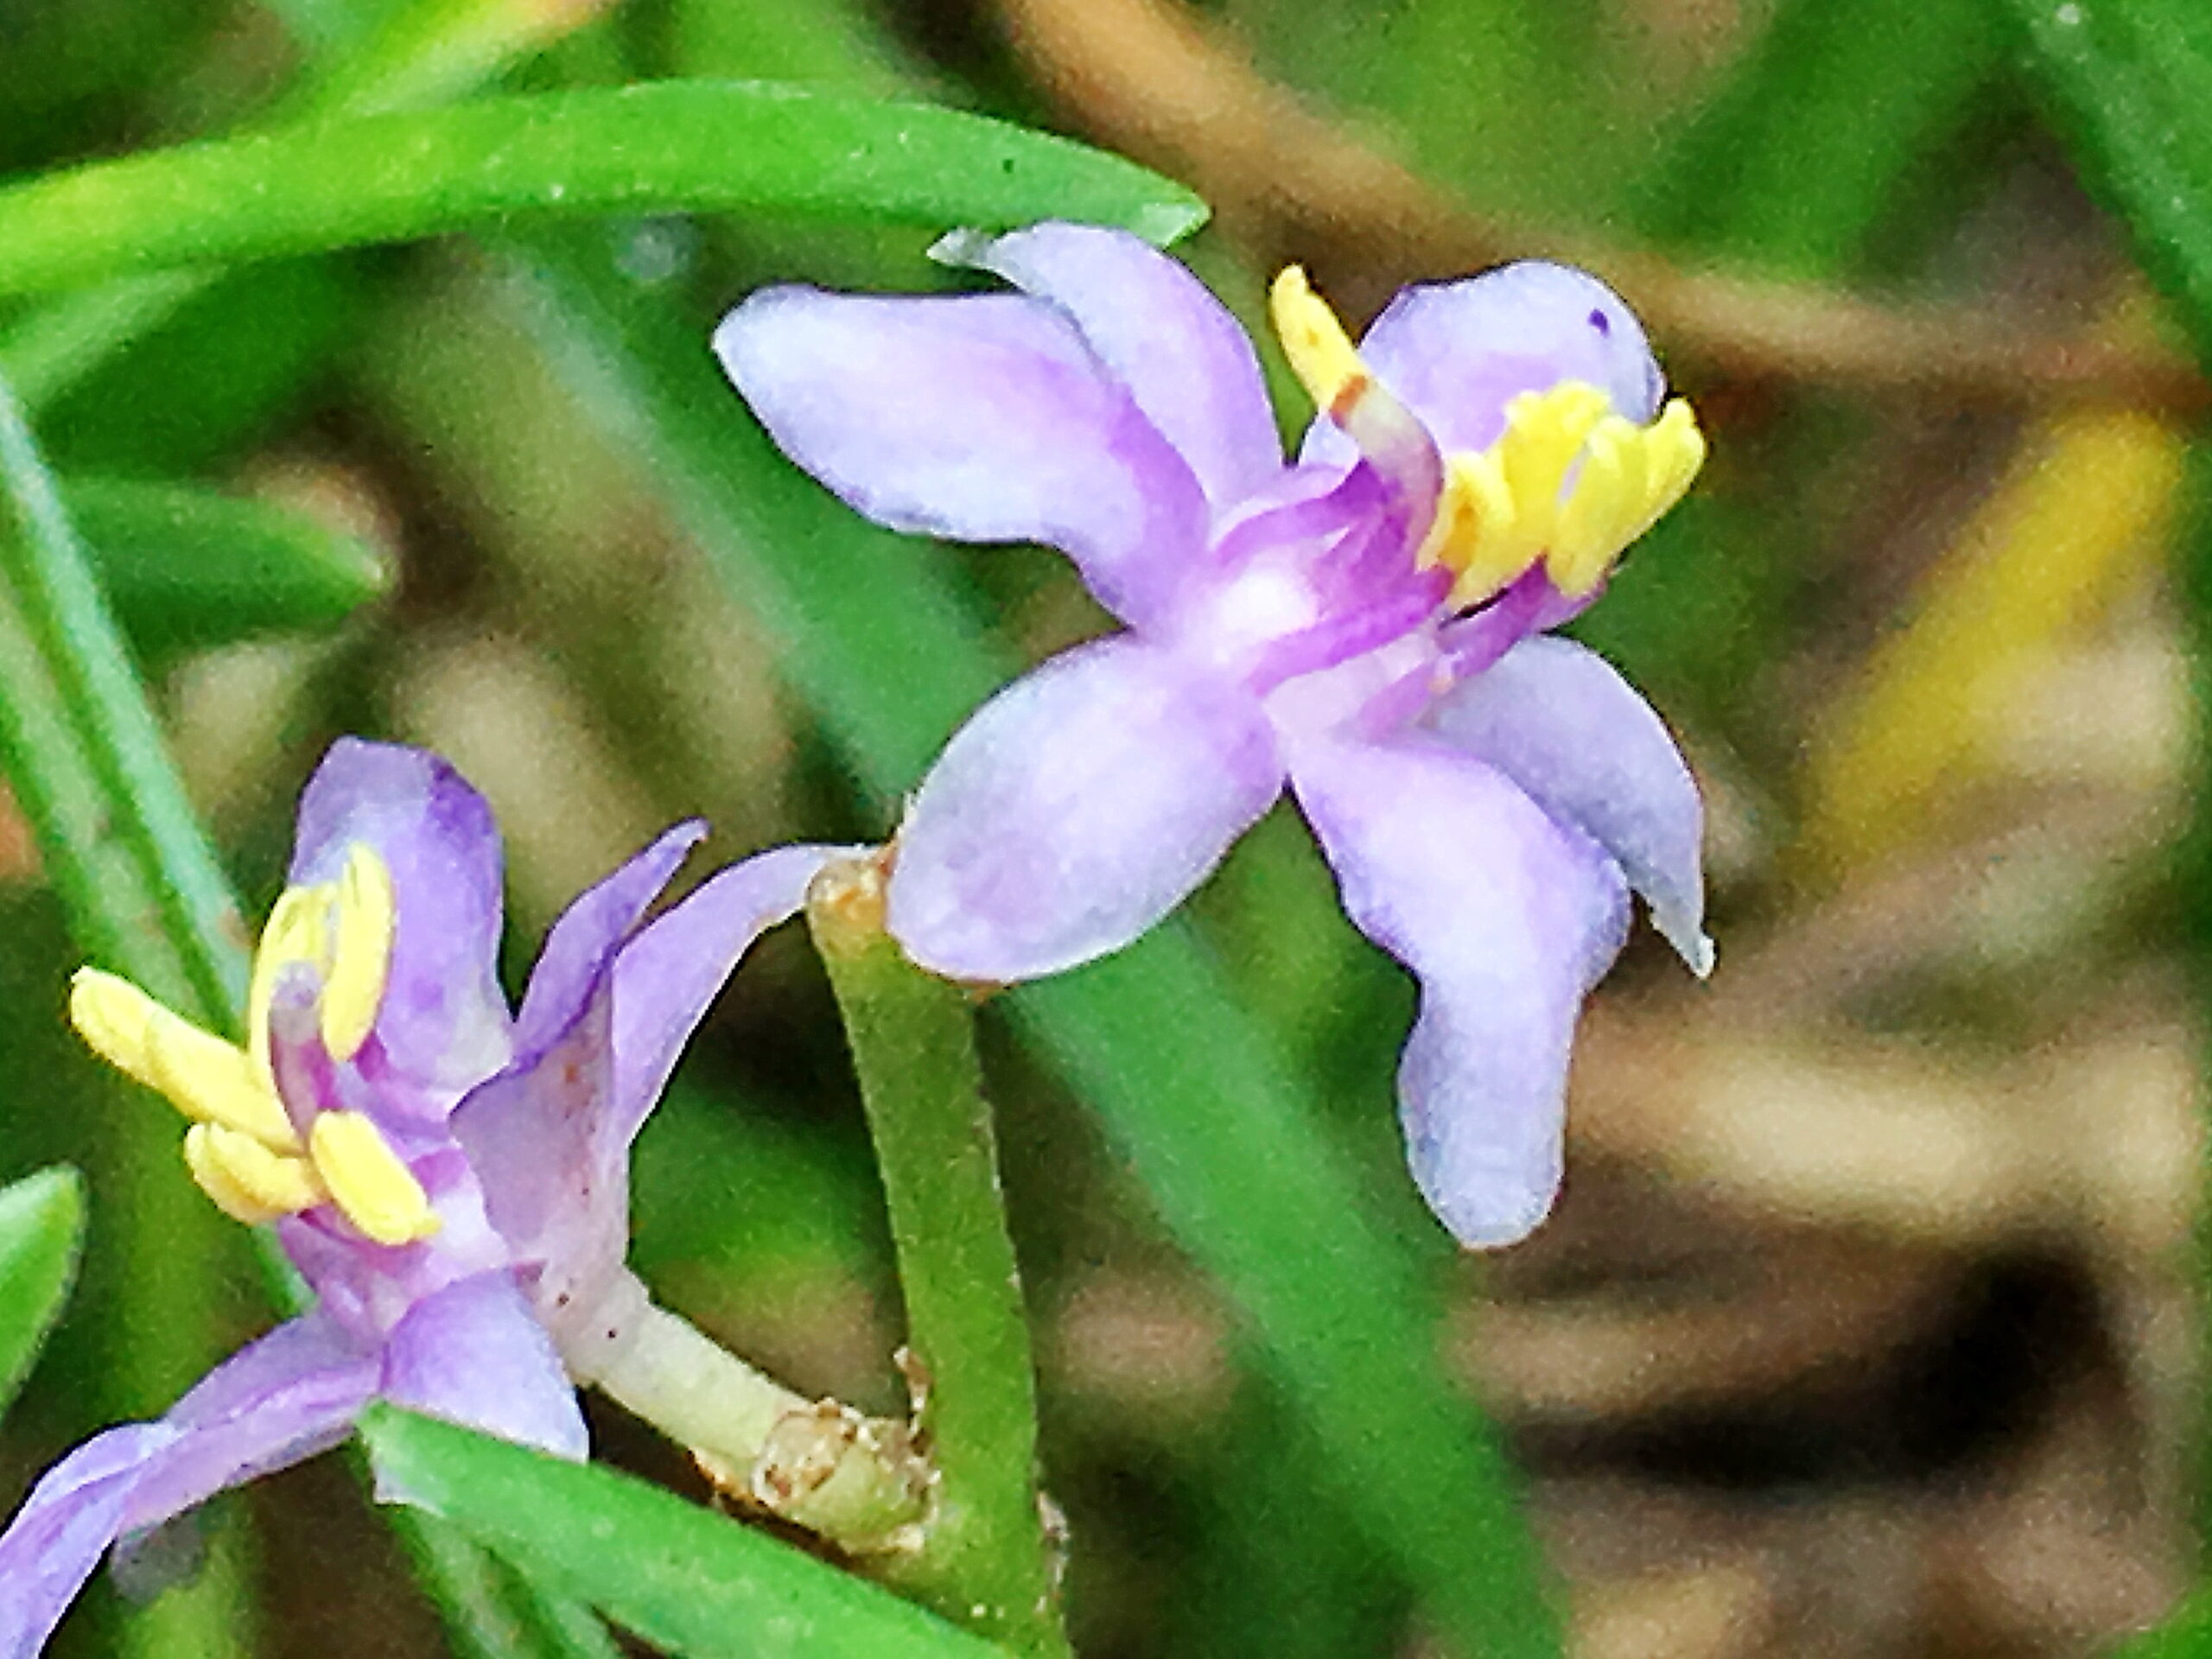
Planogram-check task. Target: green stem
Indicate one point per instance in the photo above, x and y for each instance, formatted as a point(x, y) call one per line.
point(985, 1559)
point(815, 1463)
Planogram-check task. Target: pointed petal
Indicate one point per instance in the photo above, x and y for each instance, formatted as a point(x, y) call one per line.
point(553, 1187)
point(667, 975)
point(474, 1354)
point(1507, 919)
point(974, 417)
point(1161, 332)
point(1560, 722)
point(1079, 806)
point(66, 1525)
point(584, 941)
point(442, 1018)
point(1458, 353)
point(274, 1403)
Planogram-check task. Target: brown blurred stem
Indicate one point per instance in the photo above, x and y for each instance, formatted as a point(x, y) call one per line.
point(1145, 77)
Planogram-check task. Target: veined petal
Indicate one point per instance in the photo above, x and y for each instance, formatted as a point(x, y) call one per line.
point(974, 417)
point(1458, 353)
point(1507, 918)
point(1079, 806)
point(1161, 332)
point(443, 1020)
point(71, 1517)
point(1560, 722)
point(474, 1354)
point(585, 940)
point(666, 976)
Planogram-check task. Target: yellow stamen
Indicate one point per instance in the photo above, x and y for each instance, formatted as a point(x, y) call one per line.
point(207, 1079)
point(247, 1181)
point(1631, 476)
point(1321, 354)
point(366, 919)
point(1512, 505)
point(377, 1191)
point(298, 931)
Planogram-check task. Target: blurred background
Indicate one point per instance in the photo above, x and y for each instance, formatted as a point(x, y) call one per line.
point(1865, 1325)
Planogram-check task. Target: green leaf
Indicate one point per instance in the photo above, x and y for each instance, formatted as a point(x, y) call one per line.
point(2186, 1633)
point(682, 1578)
point(673, 147)
point(1806, 144)
point(187, 568)
point(1194, 1093)
point(143, 889)
point(492, 1610)
point(41, 1231)
point(2132, 88)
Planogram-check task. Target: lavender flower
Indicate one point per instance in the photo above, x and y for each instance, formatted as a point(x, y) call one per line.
point(1365, 623)
point(450, 1179)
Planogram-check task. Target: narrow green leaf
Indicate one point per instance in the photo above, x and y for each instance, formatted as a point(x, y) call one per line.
point(2186, 1633)
point(1231, 1145)
point(2132, 88)
point(187, 568)
point(682, 1578)
point(1807, 142)
point(493, 1610)
point(1194, 1093)
point(674, 147)
point(120, 839)
point(42, 1232)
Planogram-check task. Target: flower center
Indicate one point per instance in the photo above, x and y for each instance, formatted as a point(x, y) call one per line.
point(1568, 484)
point(243, 1147)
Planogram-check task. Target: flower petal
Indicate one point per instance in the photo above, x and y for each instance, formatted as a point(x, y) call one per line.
point(582, 943)
point(1079, 806)
point(974, 417)
point(474, 1354)
point(667, 975)
point(443, 1020)
point(65, 1526)
point(1563, 723)
point(1507, 919)
point(1458, 353)
point(1161, 332)
point(537, 1138)
point(274, 1403)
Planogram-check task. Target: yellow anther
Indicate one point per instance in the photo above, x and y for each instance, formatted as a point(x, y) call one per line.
point(367, 1181)
point(1631, 476)
point(1568, 482)
point(366, 918)
point(298, 931)
point(1321, 354)
point(206, 1078)
point(247, 1181)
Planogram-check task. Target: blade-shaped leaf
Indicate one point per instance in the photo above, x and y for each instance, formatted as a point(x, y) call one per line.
point(188, 567)
point(669, 147)
point(2131, 86)
point(684, 1577)
point(41, 1231)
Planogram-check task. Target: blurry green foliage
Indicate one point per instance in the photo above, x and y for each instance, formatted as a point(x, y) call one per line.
point(42, 1233)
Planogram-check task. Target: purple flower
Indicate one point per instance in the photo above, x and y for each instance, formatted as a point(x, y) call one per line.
point(450, 1179)
point(1364, 624)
